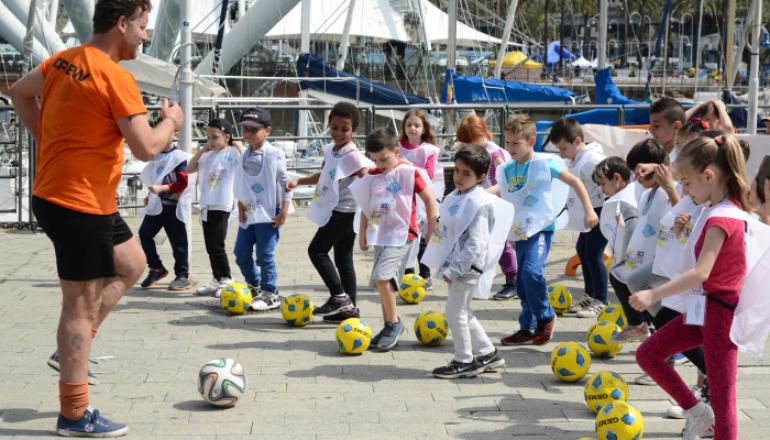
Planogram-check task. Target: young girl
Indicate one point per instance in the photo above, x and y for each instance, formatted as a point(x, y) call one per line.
point(473, 130)
point(713, 172)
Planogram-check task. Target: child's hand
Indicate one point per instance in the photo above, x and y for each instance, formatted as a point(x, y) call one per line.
point(279, 220)
point(664, 176)
point(446, 279)
point(680, 222)
point(290, 185)
point(362, 242)
point(645, 171)
point(763, 209)
point(155, 189)
point(146, 201)
point(642, 300)
point(591, 220)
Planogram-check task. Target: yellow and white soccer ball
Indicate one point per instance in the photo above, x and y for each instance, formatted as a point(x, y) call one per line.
point(412, 288)
point(570, 361)
point(221, 382)
point(605, 387)
point(559, 297)
point(619, 421)
point(431, 328)
point(353, 336)
point(614, 313)
point(297, 310)
point(599, 339)
point(235, 298)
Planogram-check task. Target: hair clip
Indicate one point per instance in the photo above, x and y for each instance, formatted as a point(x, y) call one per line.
point(719, 140)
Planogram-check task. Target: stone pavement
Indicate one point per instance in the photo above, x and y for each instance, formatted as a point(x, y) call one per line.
point(298, 385)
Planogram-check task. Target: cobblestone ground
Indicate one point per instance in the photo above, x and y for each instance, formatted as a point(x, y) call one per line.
point(152, 346)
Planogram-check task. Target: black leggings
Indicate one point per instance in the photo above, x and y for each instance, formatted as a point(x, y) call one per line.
point(695, 355)
point(214, 234)
point(337, 234)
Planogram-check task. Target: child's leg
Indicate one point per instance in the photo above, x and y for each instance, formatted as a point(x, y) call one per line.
point(151, 225)
point(267, 239)
point(534, 279)
point(457, 313)
point(581, 251)
point(480, 341)
point(318, 251)
point(387, 300)
point(424, 270)
point(343, 255)
point(244, 254)
point(389, 265)
point(218, 233)
point(722, 364)
point(177, 236)
point(592, 260)
point(623, 293)
point(663, 317)
point(527, 319)
point(508, 264)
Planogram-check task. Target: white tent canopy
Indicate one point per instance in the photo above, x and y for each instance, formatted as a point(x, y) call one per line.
point(582, 63)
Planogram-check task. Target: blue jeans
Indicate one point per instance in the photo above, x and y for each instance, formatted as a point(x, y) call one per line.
point(265, 237)
point(531, 255)
point(590, 249)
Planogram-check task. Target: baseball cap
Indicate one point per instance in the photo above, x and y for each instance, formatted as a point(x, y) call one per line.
point(224, 125)
point(256, 117)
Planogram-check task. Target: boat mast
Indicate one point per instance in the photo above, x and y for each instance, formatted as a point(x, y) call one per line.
point(451, 47)
point(602, 56)
point(345, 43)
point(698, 47)
point(304, 48)
point(506, 36)
point(756, 32)
point(186, 77)
point(729, 43)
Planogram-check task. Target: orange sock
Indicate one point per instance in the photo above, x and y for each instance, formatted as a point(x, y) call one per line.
point(93, 333)
point(73, 399)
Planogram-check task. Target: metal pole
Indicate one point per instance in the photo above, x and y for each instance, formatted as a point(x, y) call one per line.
point(509, 19)
point(754, 47)
point(451, 48)
point(28, 42)
point(730, 42)
point(602, 49)
point(53, 12)
point(345, 43)
point(304, 48)
point(186, 78)
point(698, 47)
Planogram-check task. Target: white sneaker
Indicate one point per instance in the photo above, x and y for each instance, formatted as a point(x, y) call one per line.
point(267, 301)
point(213, 287)
point(220, 285)
point(592, 309)
point(700, 420)
point(578, 306)
point(676, 411)
point(644, 379)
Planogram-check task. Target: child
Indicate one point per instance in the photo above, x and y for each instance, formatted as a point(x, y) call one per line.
point(713, 112)
point(217, 162)
point(526, 181)
point(387, 197)
point(473, 130)
point(582, 158)
point(167, 207)
point(715, 259)
point(417, 145)
point(460, 247)
point(666, 118)
point(262, 208)
point(333, 209)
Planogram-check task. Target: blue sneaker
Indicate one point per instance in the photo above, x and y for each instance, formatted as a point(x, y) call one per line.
point(678, 359)
point(389, 335)
point(92, 424)
point(53, 362)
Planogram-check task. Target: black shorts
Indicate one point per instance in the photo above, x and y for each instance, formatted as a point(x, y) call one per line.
point(84, 243)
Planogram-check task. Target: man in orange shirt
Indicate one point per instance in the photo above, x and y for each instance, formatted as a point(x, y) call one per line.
point(89, 105)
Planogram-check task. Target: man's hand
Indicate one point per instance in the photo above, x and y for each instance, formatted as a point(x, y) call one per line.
point(171, 110)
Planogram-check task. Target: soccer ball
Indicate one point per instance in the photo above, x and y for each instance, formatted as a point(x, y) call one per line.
point(619, 421)
point(412, 289)
point(599, 339)
point(560, 297)
point(570, 361)
point(614, 313)
point(431, 328)
point(235, 298)
point(221, 382)
point(297, 310)
point(604, 387)
point(353, 336)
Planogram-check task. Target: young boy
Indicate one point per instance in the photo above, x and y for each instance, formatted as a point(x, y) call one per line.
point(333, 209)
point(168, 207)
point(387, 197)
point(582, 158)
point(666, 118)
point(217, 161)
point(526, 181)
point(461, 247)
point(262, 208)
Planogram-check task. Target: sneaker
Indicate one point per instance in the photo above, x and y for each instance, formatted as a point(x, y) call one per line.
point(92, 424)
point(345, 313)
point(456, 370)
point(700, 419)
point(490, 361)
point(266, 301)
point(676, 411)
point(333, 305)
point(544, 331)
point(677, 359)
point(507, 292)
point(578, 306)
point(633, 333)
point(521, 337)
point(428, 284)
point(209, 289)
point(592, 309)
point(180, 283)
point(644, 379)
point(53, 362)
point(389, 335)
point(153, 276)
point(255, 290)
point(375, 340)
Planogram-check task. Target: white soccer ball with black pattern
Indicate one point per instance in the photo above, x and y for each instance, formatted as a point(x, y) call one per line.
point(222, 382)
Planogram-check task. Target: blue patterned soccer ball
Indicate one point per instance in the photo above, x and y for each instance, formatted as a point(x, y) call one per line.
point(353, 336)
point(599, 339)
point(559, 297)
point(222, 382)
point(297, 310)
point(412, 288)
point(614, 313)
point(431, 328)
point(235, 298)
point(619, 421)
point(570, 361)
point(605, 387)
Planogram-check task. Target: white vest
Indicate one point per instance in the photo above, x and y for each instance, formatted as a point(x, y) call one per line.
point(419, 157)
point(670, 248)
point(491, 147)
point(153, 174)
point(538, 202)
point(217, 174)
point(386, 201)
point(641, 247)
point(326, 195)
point(612, 225)
point(260, 194)
point(583, 168)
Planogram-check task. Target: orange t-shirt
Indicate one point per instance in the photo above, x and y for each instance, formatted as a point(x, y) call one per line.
point(80, 150)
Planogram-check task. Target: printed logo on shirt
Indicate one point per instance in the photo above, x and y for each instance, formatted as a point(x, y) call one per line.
point(70, 69)
point(664, 235)
point(515, 183)
point(530, 201)
point(393, 187)
point(215, 178)
point(634, 259)
point(320, 191)
point(648, 230)
point(439, 233)
point(453, 210)
point(332, 173)
point(257, 188)
point(377, 213)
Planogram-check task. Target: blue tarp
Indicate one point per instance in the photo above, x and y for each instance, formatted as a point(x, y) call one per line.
point(609, 93)
point(370, 91)
point(473, 89)
point(552, 55)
